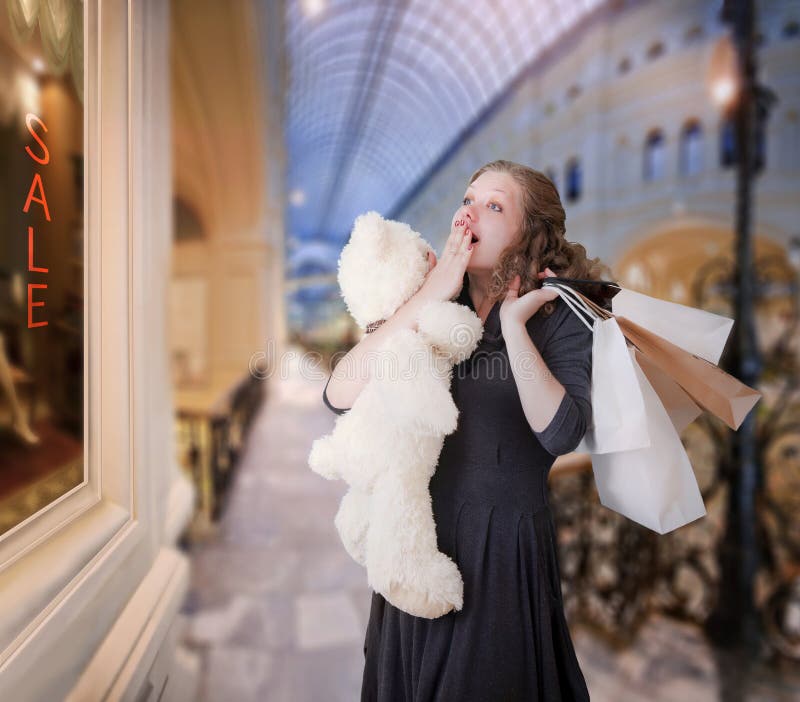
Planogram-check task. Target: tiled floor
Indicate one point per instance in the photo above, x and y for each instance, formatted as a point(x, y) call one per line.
point(278, 610)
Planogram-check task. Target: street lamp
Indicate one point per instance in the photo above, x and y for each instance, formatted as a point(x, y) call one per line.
point(723, 74)
point(735, 622)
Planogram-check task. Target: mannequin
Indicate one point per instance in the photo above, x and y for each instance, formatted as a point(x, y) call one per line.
point(19, 423)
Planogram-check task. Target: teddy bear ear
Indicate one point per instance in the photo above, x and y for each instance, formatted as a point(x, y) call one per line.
point(382, 240)
point(367, 226)
point(380, 267)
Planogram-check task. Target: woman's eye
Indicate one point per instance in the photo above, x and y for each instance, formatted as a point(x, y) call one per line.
point(491, 204)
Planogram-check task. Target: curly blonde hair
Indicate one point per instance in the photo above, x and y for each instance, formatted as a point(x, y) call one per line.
point(541, 241)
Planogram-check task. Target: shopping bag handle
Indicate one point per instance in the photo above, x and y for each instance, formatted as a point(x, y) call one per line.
point(600, 290)
point(581, 298)
point(601, 311)
point(581, 310)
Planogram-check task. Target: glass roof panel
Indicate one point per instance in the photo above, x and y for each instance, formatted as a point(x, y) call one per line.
point(378, 91)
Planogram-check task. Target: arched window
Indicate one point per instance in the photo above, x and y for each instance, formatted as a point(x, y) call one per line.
point(728, 155)
point(186, 223)
point(727, 144)
point(655, 50)
point(573, 92)
point(691, 148)
point(694, 34)
point(573, 179)
point(550, 172)
point(655, 155)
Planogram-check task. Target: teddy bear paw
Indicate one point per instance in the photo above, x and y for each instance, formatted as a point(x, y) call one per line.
point(442, 592)
point(321, 459)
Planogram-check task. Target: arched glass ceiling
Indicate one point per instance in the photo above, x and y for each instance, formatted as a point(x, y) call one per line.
point(378, 91)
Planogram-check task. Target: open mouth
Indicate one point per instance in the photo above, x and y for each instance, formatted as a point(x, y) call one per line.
point(475, 239)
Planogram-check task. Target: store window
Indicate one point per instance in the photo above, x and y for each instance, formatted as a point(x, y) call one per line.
point(41, 256)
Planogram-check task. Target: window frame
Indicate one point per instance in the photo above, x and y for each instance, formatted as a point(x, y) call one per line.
point(67, 572)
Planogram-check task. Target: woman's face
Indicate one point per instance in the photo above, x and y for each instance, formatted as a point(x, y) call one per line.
point(492, 207)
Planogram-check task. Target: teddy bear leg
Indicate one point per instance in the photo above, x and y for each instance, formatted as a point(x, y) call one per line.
point(351, 522)
point(403, 560)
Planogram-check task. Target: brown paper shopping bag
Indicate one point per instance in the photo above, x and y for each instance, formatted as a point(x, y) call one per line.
point(681, 408)
point(709, 386)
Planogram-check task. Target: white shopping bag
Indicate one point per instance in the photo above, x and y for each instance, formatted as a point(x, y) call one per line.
point(618, 416)
point(696, 331)
point(654, 486)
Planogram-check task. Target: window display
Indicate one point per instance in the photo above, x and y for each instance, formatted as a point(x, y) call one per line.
point(41, 256)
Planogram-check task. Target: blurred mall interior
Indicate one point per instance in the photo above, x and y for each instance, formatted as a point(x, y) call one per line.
point(177, 181)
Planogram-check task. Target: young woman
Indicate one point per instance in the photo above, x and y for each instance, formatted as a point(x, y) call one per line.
point(523, 399)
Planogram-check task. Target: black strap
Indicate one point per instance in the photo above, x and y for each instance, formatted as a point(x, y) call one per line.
point(598, 291)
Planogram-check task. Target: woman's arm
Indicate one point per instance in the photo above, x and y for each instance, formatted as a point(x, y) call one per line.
point(554, 383)
point(356, 367)
point(443, 281)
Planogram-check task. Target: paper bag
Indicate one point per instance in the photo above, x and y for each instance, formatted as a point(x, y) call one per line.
point(618, 420)
point(654, 486)
point(682, 410)
point(709, 386)
point(696, 331)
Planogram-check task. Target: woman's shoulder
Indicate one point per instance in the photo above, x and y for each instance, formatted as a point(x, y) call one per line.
point(543, 324)
point(561, 321)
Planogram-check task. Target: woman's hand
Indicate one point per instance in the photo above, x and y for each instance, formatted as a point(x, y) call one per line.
point(518, 310)
point(446, 277)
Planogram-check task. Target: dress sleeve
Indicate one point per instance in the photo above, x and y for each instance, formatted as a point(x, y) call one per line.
point(325, 399)
point(567, 352)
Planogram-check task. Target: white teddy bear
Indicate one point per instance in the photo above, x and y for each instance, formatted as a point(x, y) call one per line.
point(387, 446)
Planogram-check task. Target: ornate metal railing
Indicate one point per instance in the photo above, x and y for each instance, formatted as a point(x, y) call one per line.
point(211, 435)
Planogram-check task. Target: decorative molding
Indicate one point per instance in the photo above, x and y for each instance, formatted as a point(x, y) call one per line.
point(123, 660)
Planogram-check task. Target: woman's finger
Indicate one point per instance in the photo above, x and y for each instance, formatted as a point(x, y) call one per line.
point(453, 240)
point(466, 240)
point(457, 233)
point(431, 261)
point(513, 288)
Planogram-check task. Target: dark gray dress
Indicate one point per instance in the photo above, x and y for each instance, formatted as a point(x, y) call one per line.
point(510, 642)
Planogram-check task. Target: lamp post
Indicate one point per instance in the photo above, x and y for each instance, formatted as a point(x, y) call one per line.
point(735, 622)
